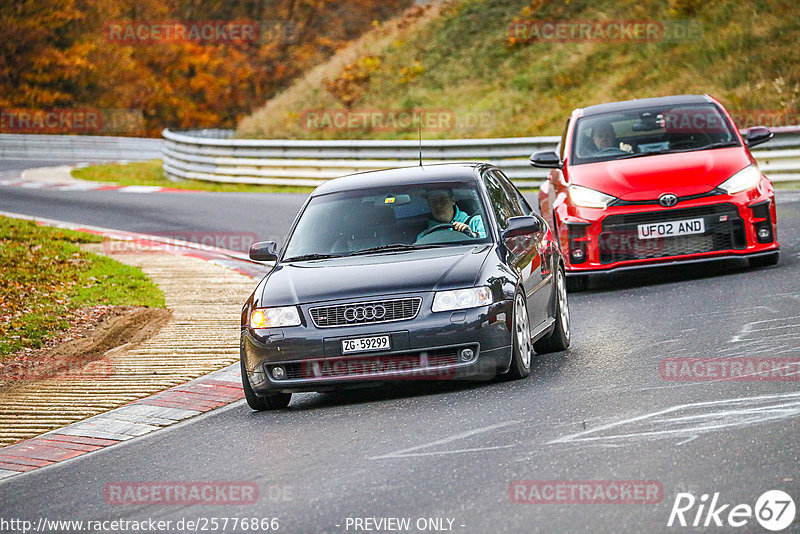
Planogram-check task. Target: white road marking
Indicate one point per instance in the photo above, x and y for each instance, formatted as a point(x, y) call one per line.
point(735, 312)
point(441, 453)
point(745, 411)
point(139, 189)
point(751, 327)
point(409, 452)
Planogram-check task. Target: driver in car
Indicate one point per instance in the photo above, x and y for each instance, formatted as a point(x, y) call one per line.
point(444, 211)
point(604, 137)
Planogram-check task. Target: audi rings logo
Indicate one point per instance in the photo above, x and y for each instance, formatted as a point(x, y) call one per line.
point(369, 312)
point(668, 200)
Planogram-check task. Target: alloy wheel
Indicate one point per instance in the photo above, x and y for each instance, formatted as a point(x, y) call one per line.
point(523, 331)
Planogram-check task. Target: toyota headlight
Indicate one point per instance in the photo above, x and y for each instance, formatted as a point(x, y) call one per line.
point(275, 317)
point(589, 198)
point(743, 180)
point(461, 299)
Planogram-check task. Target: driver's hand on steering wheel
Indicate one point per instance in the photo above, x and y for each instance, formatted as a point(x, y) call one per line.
point(625, 146)
point(460, 227)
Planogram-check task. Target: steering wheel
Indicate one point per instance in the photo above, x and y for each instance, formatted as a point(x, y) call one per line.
point(446, 226)
point(608, 151)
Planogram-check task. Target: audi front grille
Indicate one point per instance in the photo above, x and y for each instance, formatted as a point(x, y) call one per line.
point(378, 311)
point(619, 239)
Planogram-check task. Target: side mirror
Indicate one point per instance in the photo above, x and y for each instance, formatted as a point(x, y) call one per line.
point(757, 135)
point(264, 251)
point(524, 225)
point(547, 160)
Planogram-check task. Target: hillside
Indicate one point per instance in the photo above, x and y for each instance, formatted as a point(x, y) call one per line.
point(475, 74)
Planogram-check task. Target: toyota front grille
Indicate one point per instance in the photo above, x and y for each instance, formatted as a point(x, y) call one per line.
point(619, 240)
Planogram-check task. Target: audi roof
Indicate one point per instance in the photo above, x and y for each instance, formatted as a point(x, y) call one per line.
point(439, 172)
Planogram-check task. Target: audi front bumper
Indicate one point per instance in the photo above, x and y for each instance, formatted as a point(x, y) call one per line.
point(453, 345)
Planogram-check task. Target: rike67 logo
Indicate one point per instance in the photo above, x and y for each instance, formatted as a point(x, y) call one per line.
point(774, 510)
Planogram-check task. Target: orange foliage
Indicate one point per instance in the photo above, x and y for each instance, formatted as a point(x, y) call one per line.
point(59, 54)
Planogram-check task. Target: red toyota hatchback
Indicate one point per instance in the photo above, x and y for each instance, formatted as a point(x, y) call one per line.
point(656, 181)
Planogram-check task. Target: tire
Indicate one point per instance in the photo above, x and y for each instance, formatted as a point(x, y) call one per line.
point(559, 338)
point(764, 261)
point(576, 284)
point(521, 348)
point(273, 401)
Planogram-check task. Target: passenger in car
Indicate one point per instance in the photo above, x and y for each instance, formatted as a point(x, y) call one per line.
point(444, 210)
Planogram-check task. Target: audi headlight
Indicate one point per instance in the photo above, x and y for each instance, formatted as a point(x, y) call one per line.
point(589, 198)
point(743, 180)
point(461, 299)
point(275, 317)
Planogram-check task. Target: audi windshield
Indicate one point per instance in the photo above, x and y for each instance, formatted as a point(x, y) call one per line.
point(390, 218)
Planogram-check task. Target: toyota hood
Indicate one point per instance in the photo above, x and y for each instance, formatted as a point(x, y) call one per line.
point(647, 177)
point(373, 275)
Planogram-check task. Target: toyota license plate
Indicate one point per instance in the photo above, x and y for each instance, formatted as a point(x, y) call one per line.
point(672, 228)
point(365, 344)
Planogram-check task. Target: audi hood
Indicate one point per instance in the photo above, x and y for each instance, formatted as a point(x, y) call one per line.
point(647, 177)
point(373, 275)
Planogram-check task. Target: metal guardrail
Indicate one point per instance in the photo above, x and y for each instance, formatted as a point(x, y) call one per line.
point(89, 148)
point(211, 155)
point(288, 162)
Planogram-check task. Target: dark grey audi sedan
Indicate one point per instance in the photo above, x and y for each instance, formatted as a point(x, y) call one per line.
point(421, 273)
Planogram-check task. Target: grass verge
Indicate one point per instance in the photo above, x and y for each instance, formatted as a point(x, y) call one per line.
point(47, 277)
point(151, 173)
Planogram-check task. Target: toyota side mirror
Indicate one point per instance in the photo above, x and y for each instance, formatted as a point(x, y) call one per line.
point(524, 225)
point(757, 135)
point(264, 251)
point(547, 160)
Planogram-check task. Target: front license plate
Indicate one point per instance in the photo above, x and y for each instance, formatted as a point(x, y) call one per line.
point(672, 229)
point(365, 344)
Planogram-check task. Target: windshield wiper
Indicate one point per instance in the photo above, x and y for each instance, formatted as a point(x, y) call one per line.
point(392, 248)
point(721, 144)
point(679, 150)
point(649, 153)
point(314, 256)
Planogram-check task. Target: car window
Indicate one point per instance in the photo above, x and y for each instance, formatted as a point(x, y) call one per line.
point(351, 222)
point(645, 132)
point(521, 205)
point(503, 204)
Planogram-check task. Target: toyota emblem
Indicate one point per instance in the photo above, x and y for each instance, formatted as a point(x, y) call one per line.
point(668, 200)
point(365, 313)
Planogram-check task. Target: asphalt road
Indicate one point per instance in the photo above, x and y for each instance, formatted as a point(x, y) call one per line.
point(600, 411)
point(170, 214)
